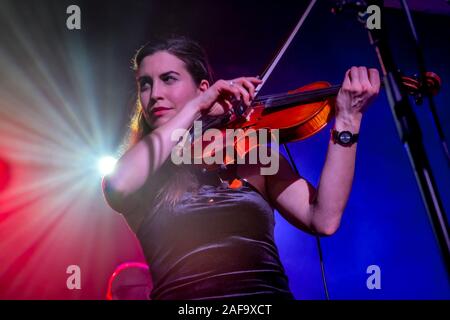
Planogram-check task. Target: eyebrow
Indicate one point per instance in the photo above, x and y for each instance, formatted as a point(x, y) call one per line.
point(146, 77)
point(168, 72)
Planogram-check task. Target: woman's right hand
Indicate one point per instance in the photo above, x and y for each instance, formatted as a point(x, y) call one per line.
point(219, 98)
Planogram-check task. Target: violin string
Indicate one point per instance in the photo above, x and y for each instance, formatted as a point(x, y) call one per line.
point(277, 100)
point(280, 99)
point(294, 96)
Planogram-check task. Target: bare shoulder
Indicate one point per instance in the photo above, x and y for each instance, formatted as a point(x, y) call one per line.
point(256, 174)
point(252, 173)
point(261, 176)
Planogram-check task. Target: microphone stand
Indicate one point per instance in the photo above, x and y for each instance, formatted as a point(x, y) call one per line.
point(422, 72)
point(411, 136)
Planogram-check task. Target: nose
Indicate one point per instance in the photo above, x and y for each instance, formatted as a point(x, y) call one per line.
point(157, 92)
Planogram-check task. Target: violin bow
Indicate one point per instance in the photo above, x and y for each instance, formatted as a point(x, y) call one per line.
point(268, 71)
point(240, 111)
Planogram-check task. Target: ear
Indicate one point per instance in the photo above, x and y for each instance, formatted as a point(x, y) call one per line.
point(203, 86)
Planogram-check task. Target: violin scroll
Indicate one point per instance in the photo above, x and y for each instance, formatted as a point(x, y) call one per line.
point(429, 85)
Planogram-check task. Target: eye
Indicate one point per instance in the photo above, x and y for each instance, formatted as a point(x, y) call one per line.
point(144, 84)
point(169, 79)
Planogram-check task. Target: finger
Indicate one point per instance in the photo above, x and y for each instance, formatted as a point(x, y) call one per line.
point(222, 106)
point(256, 80)
point(364, 78)
point(248, 85)
point(227, 106)
point(245, 94)
point(232, 87)
point(374, 78)
point(346, 84)
point(354, 77)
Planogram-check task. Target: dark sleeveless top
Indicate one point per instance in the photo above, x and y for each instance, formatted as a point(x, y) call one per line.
point(217, 243)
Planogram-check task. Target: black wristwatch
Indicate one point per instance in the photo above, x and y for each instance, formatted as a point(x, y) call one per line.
point(344, 138)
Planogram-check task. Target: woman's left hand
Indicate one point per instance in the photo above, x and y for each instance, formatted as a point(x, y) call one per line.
point(360, 87)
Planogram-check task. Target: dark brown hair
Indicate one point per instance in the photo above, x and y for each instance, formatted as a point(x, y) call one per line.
point(180, 178)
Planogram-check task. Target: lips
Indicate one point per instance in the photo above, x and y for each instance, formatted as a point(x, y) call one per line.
point(160, 109)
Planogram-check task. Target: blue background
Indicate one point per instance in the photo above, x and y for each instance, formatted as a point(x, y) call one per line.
point(384, 224)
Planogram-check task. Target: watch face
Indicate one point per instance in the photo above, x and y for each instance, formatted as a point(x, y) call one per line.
point(345, 137)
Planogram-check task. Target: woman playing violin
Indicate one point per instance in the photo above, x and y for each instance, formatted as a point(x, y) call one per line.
point(202, 238)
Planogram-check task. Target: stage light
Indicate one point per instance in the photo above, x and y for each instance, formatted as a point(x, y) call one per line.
point(106, 165)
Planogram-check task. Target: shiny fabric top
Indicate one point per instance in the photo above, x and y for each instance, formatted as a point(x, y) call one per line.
point(217, 243)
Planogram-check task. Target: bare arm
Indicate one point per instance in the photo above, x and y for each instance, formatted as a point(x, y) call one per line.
point(335, 181)
point(321, 210)
point(148, 155)
point(316, 211)
point(145, 158)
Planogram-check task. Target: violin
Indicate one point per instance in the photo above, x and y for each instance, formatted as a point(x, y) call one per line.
point(297, 115)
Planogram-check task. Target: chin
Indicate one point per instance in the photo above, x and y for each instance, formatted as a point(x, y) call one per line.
point(159, 121)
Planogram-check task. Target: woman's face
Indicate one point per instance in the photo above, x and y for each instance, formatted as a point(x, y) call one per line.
point(165, 86)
